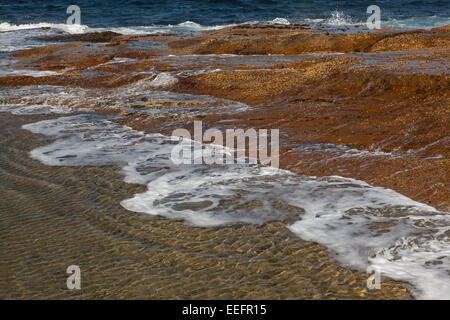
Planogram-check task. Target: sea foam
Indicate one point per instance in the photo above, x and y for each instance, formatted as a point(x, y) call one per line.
point(362, 225)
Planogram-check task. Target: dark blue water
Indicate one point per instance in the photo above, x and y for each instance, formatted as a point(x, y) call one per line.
point(119, 13)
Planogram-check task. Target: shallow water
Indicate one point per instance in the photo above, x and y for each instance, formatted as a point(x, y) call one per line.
point(52, 217)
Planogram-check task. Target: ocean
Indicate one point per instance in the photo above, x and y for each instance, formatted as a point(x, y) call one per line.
point(207, 14)
point(24, 23)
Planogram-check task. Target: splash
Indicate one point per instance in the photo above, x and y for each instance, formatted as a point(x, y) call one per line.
point(339, 18)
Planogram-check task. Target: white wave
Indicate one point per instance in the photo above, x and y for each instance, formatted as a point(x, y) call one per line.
point(73, 29)
point(23, 39)
point(187, 26)
point(280, 21)
point(190, 24)
point(317, 20)
point(131, 30)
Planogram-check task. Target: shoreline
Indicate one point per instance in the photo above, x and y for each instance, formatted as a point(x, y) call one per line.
point(344, 114)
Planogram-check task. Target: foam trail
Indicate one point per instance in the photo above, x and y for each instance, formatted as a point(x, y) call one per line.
point(362, 225)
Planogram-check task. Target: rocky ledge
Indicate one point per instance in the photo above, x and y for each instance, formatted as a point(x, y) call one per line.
point(373, 106)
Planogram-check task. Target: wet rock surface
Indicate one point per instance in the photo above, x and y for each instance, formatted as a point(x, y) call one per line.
point(388, 93)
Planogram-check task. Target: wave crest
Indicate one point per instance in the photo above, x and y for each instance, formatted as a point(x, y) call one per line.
point(70, 28)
